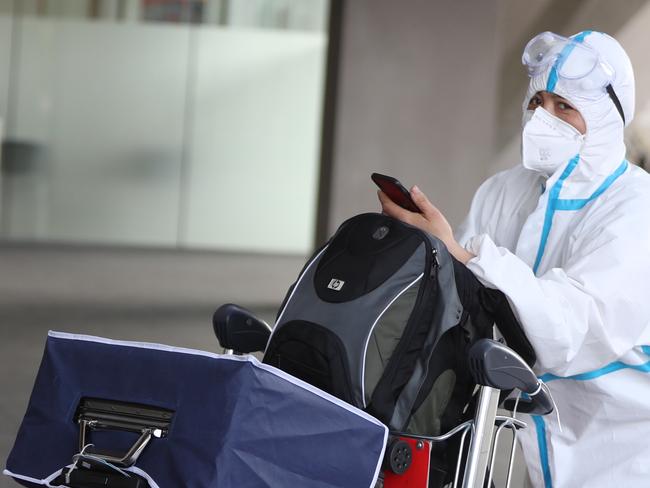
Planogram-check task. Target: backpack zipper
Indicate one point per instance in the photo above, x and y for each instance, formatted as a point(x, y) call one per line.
point(426, 287)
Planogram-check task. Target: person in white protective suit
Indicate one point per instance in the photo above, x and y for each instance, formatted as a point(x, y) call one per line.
point(566, 236)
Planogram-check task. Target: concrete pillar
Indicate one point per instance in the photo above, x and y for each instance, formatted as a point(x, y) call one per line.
point(416, 100)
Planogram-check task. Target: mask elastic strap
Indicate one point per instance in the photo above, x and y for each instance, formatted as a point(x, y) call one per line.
point(612, 95)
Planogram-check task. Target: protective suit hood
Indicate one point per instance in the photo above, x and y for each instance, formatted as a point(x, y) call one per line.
point(603, 149)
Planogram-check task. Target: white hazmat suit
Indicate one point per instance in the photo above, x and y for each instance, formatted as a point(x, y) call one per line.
point(569, 245)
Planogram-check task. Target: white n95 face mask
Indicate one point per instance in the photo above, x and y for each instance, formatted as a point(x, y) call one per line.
point(548, 142)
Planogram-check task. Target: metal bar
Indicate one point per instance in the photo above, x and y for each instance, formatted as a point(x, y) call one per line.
point(497, 436)
point(130, 457)
point(481, 444)
point(442, 437)
point(460, 454)
point(83, 424)
point(515, 432)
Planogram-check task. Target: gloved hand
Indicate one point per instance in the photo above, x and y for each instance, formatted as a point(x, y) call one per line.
point(431, 220)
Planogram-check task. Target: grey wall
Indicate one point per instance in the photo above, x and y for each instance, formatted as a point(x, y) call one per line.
point(416, 100)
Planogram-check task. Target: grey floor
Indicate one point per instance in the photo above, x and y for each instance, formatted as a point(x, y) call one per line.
point(156, 296)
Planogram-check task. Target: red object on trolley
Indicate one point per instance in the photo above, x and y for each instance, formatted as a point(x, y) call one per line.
point(417, 475)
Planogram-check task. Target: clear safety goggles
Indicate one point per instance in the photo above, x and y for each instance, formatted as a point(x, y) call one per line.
point(580, 67)
point(578, 64)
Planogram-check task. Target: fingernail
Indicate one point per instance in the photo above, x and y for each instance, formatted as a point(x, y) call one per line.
point(416, 189)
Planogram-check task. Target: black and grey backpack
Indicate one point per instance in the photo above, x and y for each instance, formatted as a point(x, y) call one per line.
point(382, 317)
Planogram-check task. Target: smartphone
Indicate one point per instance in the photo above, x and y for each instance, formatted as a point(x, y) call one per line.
point(395, 191)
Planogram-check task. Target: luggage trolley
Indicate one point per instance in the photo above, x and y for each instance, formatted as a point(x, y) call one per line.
point(86, 392)
point(495, 368)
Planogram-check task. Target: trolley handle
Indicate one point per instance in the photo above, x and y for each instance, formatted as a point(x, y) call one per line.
point(239, 331)
point(496, 365)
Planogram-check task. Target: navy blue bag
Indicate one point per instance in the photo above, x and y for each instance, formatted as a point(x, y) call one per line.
point(234, 422)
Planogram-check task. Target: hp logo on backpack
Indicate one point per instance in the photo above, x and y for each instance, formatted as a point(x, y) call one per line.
point(335, 284)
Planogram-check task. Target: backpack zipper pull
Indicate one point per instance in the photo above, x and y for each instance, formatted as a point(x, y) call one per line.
point(436, 263)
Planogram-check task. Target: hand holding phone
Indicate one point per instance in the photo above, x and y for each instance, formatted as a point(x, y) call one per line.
point(428, 217)
point(395, 191)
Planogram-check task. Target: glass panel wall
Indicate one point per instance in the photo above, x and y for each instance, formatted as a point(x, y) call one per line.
point(165, 123)
point(254, 140)
point(96, 132)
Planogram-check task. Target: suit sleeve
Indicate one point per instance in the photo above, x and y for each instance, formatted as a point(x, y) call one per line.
point(592, 310)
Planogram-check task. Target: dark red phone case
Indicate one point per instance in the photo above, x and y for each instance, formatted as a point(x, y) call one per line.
point(395, 191)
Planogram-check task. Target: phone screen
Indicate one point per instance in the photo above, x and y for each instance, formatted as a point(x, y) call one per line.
point(395, 191)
